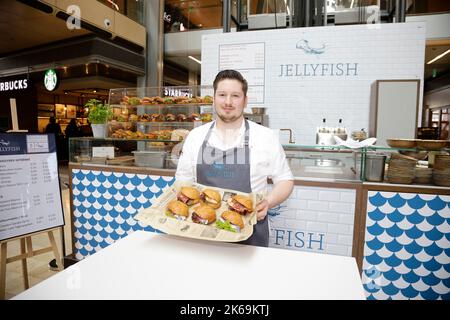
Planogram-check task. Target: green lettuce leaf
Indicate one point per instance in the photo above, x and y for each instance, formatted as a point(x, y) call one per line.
point(225, 225)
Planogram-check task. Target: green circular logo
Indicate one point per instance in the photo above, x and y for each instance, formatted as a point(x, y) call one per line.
point(50, 80)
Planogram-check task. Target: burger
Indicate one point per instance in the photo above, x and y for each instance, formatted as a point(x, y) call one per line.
point(204, 214)
point(195, 117)
point(230, 221)
point(168, 100)
point(145, 118)
point(146, 100)
point(240, 204)
point(208, 99)
point(170, 117)
point(177, 209)
point(181, 117)
point(189, 196)
point(155, 117)
point(211, 198)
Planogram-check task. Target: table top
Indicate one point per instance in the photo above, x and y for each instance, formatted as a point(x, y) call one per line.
point(146, 265)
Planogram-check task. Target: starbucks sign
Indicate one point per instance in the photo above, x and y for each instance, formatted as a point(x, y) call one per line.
point(51, 80)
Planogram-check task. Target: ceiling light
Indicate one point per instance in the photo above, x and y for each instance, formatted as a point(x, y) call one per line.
point(438, 57)
point(196, 60)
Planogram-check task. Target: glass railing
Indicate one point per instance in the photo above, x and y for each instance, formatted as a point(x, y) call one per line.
point(187, 15)
point(133, 9)
point(427, 7)
point(343, 5)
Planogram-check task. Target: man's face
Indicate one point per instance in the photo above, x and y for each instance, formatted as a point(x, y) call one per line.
point(229, 100)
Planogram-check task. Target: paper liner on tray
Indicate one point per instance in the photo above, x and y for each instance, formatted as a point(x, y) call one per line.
point(156, 217)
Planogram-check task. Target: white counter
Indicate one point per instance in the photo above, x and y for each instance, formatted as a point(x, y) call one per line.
point(146, 265)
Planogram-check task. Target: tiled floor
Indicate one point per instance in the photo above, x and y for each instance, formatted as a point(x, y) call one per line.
point(38, 269)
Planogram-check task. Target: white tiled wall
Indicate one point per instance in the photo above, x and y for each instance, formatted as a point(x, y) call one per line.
point(386, 51)
point(315, 219)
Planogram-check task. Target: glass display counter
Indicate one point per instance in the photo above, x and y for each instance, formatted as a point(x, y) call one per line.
point(324, 163)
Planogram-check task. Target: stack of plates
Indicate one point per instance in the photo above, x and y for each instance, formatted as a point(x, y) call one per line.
point(423, 175)
point(401, 169)
point(441, 170)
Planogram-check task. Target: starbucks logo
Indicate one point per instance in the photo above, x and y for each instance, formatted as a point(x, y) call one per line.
point(50, 80)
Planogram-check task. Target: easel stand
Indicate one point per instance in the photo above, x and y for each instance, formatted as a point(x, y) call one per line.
point(26, 251)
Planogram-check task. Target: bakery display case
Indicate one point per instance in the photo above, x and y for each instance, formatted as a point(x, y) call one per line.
point(147, 128)
point(159, 114)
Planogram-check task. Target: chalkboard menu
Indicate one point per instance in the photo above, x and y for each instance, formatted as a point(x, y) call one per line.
point(30, 198)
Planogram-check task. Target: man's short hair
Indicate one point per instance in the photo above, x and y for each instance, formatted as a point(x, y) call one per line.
point(230, 74)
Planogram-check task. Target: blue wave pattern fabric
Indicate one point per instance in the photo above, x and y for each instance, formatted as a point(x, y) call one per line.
point(407, 246)
point(104, 204)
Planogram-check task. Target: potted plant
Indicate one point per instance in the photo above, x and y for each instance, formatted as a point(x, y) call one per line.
point(99, 114)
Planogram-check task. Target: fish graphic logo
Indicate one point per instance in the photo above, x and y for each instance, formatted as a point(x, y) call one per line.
point(276, 211)
point(4, 143)
point(305, 46)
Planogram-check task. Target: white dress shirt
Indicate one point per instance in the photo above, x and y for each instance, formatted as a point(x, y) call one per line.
point(267, 157)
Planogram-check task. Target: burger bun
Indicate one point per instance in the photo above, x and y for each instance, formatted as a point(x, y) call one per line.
point(178, 208)
point(234, 218)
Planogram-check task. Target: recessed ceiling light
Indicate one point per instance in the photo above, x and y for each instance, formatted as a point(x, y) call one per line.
point(196, 60)
point(438, 57)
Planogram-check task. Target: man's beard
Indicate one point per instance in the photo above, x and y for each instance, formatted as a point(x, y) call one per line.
point(229, 119)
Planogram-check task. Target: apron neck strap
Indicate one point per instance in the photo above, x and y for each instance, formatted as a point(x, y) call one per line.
point(246, 139)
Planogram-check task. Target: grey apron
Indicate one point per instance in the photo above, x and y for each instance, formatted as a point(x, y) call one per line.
point(230, 169)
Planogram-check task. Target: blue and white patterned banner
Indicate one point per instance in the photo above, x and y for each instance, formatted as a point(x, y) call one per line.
point(104, 204)
point(407, 246)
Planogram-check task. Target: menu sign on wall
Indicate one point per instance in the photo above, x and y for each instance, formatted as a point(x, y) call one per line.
point(248, 59)
point(30, 199)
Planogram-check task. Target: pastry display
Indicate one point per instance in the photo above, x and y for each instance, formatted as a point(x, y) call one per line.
point(167, 117)
point(133, 101)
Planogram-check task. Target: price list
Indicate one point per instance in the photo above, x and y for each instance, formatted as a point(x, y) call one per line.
point(249, 60)
point(30, 199)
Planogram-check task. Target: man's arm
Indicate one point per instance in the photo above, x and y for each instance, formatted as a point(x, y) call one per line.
point(185, 167)
point(283, 180)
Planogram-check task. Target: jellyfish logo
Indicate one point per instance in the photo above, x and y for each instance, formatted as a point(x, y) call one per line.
point(305, 46)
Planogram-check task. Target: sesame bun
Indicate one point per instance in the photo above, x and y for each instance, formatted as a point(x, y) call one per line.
point(234, 218)
point(206, 212)
point(190, 192)
point(245, 201)
point(178, 207)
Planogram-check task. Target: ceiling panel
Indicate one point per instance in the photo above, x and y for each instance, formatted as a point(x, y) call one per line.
point(24, 27)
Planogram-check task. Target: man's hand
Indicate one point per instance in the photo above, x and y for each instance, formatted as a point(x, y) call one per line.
point(261, 209)
point(280, 192)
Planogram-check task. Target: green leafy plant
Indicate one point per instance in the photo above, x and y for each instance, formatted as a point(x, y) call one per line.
point(99, 113)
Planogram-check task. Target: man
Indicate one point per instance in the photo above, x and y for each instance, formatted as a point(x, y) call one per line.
point(53, 127)
point(234, 153)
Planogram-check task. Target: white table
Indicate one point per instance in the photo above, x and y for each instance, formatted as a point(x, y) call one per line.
point(147, 265)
